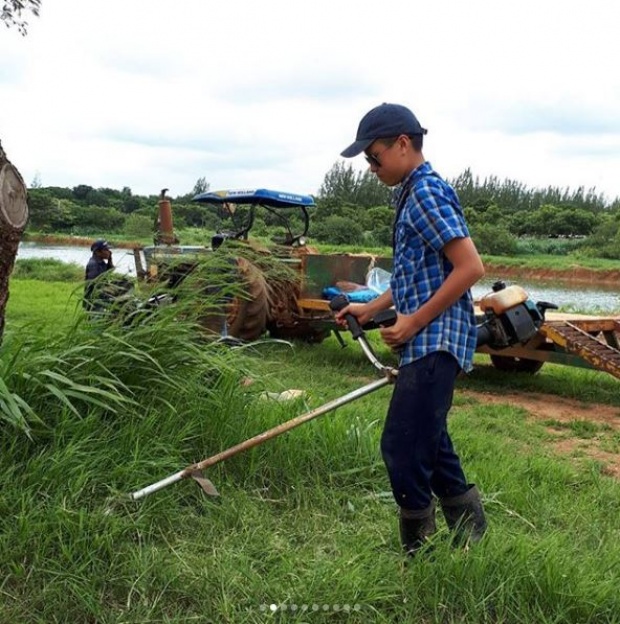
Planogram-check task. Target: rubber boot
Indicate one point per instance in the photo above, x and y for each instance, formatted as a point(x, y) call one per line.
point(465, 516)
point(416, 527)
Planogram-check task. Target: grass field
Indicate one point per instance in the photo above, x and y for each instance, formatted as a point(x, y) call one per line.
point(305, 529)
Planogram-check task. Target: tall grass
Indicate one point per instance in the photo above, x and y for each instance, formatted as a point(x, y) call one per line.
point(305, 530)
point(111, 359)
point(548, 246)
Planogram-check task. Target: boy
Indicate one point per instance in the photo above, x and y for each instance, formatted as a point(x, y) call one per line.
point(435, 265)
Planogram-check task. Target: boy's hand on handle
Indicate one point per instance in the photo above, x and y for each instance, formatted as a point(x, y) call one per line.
point(405, 328)
point(341, 308)
point(358, 310)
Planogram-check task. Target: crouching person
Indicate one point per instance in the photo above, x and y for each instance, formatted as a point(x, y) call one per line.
point(99, 263)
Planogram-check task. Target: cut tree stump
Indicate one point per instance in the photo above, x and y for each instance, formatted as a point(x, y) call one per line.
point(13, 219)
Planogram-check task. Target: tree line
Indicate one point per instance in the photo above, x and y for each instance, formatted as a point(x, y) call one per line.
point(353, 207)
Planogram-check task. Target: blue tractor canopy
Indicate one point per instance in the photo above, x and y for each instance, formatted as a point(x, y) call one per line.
point(262, 197)
point(272, 201)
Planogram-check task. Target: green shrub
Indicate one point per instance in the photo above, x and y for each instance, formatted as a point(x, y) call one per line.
point(494, 240)
point(138, 226)
point(549, 246)
point(339, 231)
point(379, 236)
point(604, 242)
point(48, 270)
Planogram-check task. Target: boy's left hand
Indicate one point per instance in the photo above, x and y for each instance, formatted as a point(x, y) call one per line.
point(401, 332)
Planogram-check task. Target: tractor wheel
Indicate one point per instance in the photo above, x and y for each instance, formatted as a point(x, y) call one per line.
point(285, 321)
point(246, 317)
point(245, 314)
point(515, 364)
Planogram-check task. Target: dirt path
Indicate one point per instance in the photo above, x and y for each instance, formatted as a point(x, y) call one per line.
point(582, 430)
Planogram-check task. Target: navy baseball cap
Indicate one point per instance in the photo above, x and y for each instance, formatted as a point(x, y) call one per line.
point(99, 245)
point(383, 122)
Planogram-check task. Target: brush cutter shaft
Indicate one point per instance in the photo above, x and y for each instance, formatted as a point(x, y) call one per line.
point(290, 424)
point(370, 354)
point(160, 485)
point(263, 437)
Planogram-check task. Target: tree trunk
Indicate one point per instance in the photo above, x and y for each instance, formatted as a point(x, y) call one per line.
point(13, 219)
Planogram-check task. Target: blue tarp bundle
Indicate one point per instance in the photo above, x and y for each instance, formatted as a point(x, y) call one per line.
point(378, 280)
point(355, 296)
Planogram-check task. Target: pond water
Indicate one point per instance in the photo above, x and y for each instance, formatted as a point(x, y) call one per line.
point(570, 297)
point(594, 298)
point(122, 258)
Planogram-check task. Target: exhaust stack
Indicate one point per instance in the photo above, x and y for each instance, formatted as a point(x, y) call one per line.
point(165, 230)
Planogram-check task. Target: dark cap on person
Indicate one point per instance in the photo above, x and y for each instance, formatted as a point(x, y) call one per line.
point(383, 122)
point(99, 245)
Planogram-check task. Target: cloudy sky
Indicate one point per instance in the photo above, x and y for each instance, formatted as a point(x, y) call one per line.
point(151, 94)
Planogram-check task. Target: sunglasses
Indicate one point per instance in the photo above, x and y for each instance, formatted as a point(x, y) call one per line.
point(373, 159)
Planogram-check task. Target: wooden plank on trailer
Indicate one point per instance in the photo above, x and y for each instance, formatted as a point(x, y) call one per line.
point(598, 353)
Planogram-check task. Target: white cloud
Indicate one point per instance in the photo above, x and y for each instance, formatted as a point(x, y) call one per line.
point(148, 93)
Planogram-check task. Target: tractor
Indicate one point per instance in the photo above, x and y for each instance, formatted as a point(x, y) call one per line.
point(289, 305)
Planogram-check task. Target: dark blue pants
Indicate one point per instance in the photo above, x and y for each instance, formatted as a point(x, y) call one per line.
point(415, 444)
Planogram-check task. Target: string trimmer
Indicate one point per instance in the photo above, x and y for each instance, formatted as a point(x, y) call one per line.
point(195, 471)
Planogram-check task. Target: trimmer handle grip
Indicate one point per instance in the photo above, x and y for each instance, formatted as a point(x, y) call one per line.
point(383, 318)
point(340, 302)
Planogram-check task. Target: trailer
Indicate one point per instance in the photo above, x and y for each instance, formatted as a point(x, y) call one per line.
point(568, 339)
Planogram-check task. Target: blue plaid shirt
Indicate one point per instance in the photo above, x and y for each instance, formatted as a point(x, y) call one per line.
point(429, 215)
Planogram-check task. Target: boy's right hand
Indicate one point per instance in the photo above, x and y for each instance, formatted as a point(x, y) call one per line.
point(360, 311)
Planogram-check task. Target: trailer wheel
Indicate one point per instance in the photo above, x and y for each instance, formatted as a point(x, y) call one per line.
point(516, 364)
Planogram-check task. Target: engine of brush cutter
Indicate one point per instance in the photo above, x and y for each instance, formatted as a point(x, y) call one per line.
point(509, 317)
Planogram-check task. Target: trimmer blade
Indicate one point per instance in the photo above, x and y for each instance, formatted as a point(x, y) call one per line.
point(204, 483)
